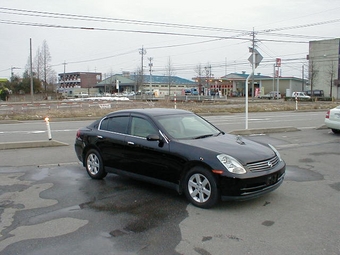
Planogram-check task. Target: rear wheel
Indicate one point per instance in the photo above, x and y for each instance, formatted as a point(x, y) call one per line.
point(94, 165)
point(336, 131)
point(201, 188)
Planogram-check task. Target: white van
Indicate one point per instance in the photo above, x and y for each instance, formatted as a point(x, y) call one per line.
point(271, 95)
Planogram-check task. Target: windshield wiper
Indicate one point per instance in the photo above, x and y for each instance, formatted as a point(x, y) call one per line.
point(203, 136)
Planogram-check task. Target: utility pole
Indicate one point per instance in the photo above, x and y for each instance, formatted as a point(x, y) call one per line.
point(278, 65)
point(226, 66)
point(331, 73)
point(142, 51)
point(207, 77)
point(303, 78)
point(253, 67)
point(64, 73)
point(31, 71)
point(273, 78)
point(12, 73)
point(150, 69)
point(255, 60)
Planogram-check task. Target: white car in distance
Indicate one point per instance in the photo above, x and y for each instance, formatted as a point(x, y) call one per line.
point(332, 119)
point(300, 95)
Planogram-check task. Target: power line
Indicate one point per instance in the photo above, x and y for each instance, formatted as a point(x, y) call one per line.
point(139, 31)
point(301, 26)
point(34, 13)
point(105, 19)
point(96, 59)
point(240, 34)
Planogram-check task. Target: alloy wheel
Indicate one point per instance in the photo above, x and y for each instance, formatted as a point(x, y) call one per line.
point(199, 188)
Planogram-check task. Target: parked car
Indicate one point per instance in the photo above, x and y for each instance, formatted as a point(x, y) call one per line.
point(300, 95)
point(316, 93)
point(128, 94)
point(191, 91)
point(235, 94)
point(271, 95)
point(332, 119)
point(180, 150)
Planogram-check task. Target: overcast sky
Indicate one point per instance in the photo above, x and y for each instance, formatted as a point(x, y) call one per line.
point(189, 33)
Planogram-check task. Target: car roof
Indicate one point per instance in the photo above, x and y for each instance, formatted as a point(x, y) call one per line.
point(153, 111)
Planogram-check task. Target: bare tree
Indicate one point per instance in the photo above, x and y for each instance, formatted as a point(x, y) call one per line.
point(139, 79)
point(312, 75)
point(46, 67)
point(331, 71)
point(170, 72)
point(28, 66)
point(37, 64)
point(41, 65)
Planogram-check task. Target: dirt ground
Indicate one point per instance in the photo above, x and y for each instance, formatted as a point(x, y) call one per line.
point(92, 110)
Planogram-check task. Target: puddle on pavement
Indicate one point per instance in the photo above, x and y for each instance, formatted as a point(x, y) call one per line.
point(294, 173)
point(335, 186)
point(41, 174)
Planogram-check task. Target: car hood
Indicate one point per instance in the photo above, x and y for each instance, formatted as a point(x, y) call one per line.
point(240, 148)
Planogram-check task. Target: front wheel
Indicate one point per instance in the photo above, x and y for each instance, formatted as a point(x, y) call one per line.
point(201, 188)
point(94, 165)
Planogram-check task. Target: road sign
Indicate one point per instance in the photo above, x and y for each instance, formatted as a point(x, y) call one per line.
point(258, 58)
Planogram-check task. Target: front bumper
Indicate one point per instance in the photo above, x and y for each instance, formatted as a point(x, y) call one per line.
point(245, 189)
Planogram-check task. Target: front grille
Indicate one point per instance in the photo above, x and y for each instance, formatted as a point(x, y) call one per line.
point(263, 165)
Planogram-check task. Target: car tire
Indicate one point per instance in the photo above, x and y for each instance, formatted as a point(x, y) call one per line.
point(336, 131)
point(94, 165)
point(201, 187)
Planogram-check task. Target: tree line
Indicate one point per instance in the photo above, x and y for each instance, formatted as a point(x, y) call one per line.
point(43, 76)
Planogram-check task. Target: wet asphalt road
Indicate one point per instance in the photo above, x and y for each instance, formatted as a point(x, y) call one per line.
point(49, 205)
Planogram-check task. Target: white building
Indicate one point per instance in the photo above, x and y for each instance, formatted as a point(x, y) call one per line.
point(324, 68)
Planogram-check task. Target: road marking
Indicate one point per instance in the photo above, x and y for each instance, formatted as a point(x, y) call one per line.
point(37, 131)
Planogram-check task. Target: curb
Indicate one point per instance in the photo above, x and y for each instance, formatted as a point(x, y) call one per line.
point(30, 144)
point(322, 127)
point(264, 131)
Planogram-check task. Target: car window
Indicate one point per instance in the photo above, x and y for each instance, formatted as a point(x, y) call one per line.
point(115, 124)
point(187, 127)
point(142, 127)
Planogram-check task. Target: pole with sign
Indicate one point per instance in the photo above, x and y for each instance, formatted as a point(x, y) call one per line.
point(117, 85)
point(255, 60)
point(278, 65)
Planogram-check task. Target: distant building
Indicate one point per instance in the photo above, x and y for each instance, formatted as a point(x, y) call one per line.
point(157, 84)
point(78, 79)
point(324, 66)
point(233, 84)
point(116, 84)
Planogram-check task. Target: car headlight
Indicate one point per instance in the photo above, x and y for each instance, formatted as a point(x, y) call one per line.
point(231, 164)
point(276, 151)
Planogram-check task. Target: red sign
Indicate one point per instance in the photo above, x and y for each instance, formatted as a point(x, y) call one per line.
point(278, 62)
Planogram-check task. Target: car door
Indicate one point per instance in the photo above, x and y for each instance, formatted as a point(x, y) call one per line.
point(111, 140)
point(150, 158)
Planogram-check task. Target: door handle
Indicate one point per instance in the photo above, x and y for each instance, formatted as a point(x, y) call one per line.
point(130, 143)
point(99, 136)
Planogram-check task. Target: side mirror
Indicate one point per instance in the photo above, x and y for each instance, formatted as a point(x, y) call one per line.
point(153, 137)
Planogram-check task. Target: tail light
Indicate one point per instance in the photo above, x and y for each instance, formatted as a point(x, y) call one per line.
point(327, 114)
point(78, 134)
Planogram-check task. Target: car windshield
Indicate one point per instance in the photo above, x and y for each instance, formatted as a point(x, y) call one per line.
point(187, 126)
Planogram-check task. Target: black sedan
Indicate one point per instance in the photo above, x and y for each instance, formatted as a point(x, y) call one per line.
point(180, 150)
